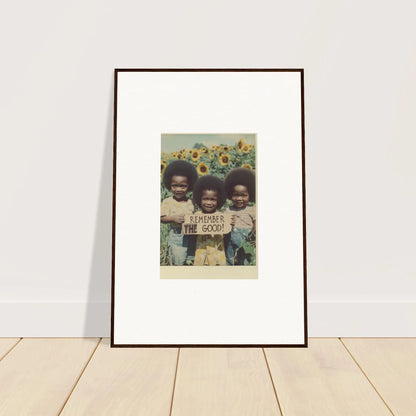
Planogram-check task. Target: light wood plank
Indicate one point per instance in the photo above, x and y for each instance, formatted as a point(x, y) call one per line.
point(322, 380)
point(6, 344)
point(39, 374)
point(125, 381)
point(222, 381)
point(390, 364)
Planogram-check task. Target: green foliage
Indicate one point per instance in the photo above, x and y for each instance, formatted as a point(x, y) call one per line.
point(249, 247)
point(164, 234)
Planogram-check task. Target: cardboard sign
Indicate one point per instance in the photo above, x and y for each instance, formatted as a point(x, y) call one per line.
point(215, 223)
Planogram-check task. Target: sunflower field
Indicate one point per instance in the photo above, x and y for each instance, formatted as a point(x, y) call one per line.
point(215, 160)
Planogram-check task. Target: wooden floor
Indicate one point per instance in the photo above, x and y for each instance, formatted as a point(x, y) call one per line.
point(75, 376)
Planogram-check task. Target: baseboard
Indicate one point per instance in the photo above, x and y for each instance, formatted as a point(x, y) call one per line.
point(92, 319)
point(55, 319)
point(362, 319)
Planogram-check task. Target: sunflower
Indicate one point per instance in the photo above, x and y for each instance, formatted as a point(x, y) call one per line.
point(240, 144)
point(211, 155)
point(195, 155)
point(204, 150)
point(225, 159)
point(163, 165)
point(190, 151)
point(246, 148)
point(179, 155)
point(202, 168)
point(226, 148)
point(214, 147)
point(247, 166)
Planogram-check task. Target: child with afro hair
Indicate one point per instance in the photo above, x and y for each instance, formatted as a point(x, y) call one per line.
point(180, 177)
point(240, 186)
point(209, 195)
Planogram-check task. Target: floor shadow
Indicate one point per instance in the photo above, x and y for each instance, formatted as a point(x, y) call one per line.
point(98, 310)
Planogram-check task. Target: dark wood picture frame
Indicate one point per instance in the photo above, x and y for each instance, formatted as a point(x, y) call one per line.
point(114, 208)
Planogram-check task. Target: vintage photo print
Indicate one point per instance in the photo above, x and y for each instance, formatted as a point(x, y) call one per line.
point(208, 206)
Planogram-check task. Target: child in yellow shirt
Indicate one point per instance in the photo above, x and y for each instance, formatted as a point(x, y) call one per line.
point(209, 195)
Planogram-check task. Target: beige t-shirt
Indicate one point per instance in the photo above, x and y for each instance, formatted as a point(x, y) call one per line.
point(171, 206)
point(245, 217)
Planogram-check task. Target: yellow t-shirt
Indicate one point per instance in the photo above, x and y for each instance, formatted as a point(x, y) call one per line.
point(210, 250)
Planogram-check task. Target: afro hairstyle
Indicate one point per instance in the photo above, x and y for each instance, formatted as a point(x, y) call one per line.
point(209, 183)
point(180, 168)
point(241, 176)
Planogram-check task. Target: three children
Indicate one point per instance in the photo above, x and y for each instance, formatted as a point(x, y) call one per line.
point(209, 194)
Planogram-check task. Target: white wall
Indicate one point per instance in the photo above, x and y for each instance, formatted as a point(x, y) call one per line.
point(56, 159)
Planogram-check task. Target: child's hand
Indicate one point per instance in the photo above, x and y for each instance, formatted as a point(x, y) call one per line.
point(179, 219)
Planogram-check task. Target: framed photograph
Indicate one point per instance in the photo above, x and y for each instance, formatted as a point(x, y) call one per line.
point(209, 216)
point(211, 219)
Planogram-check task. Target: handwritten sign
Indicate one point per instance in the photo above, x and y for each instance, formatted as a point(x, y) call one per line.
point(216, 223)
